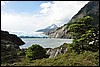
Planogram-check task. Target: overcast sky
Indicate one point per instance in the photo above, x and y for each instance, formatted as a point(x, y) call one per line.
point(29, 16)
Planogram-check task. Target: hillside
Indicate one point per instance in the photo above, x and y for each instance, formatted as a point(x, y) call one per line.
point(11, 37)
point(91, 9)
point(69, 59)
point(9, 45)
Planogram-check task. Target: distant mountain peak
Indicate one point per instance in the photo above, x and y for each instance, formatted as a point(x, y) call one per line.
point(49, 28)
point(52, 26)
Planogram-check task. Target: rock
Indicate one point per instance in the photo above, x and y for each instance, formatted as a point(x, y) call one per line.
point(60, 33)
point(11, 37)
point(8, 51)
point(91, 9)
point(9, 46)
point(56, 51)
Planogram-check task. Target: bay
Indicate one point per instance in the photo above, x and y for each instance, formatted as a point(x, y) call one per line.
point(44, 42)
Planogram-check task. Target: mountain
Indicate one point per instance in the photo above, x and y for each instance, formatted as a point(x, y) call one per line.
point(53, 26)
point(91, 9)
point(48, 29)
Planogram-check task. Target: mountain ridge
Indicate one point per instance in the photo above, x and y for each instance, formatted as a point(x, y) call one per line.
point(48, 29)
point(90, 9)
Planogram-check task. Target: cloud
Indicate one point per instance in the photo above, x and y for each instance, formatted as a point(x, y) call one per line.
point(22, 22)
point(4, 2)
point(58, 12)
point(46, 5)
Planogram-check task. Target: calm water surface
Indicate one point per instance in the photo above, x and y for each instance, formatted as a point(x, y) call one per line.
point(44, 42)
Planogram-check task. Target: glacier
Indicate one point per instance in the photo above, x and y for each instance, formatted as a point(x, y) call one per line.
point(28, 34)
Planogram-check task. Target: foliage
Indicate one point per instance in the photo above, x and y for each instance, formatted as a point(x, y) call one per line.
point(35, 52)
point(70, 58)
point(21, 52)
point(83, 34)
point(88, 58)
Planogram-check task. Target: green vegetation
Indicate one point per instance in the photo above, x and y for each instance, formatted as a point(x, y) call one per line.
point(83, 33)
point(35, 52)
point(21, 52)
point(88, 58)
point(65, 25)
point(79, 53)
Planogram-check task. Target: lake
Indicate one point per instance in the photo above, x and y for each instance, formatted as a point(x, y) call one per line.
point(44, 42)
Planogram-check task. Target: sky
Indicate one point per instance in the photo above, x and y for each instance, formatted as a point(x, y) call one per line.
point(29, 16)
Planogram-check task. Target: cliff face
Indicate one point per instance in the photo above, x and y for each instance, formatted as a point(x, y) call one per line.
point(59, 33)
point(9, 45)
point(91, 9)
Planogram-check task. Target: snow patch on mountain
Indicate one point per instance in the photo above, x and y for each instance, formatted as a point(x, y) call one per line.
point(48, 29)
point(53, 26)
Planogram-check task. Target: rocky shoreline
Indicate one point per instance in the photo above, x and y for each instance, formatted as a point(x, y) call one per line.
point(10, 45)
point(53, 52)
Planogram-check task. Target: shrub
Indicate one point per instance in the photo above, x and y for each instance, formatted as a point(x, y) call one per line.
point(21, 52)
point(35, 52)
point(83, 34)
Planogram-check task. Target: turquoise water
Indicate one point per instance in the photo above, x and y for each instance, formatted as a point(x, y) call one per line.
point(44, 42)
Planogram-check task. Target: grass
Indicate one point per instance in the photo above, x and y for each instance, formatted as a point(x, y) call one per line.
point(88, 58)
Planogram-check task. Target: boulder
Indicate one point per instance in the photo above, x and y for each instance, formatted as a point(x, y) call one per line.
point(56, 51)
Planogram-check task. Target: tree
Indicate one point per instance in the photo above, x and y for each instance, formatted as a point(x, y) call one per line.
point(35, 52)
point(83, 34)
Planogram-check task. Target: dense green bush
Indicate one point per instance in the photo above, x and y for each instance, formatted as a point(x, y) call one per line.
point(21, 52)
point(35, 52)
point(85, 36)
